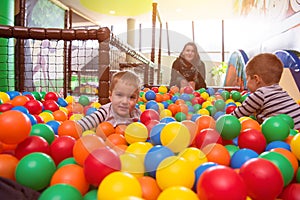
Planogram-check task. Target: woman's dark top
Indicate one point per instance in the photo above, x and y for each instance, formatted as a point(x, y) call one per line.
point(182, 69)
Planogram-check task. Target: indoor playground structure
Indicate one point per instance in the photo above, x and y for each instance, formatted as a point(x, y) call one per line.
point(185, 145)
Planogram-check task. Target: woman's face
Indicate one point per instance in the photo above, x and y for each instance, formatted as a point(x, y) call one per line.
point(189, 53)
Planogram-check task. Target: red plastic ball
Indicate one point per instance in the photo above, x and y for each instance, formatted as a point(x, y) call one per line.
point(263, 179)
point(62, 148)
point(149, 115)
point(230, 109)
point(51, 96)
point(221, 182)
point(100, 163)
point(291, 191)
point(207, 136)
point(188, 89)
point(15, 127)
point(34, 107)
point(32, 144)
point(5, 107)
point(50, 105)
point(252, 139)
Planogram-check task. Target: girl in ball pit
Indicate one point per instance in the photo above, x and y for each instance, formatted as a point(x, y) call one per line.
point(267, 97)
point(123, 93)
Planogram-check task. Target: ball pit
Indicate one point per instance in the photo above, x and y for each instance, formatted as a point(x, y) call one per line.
point(183, 145)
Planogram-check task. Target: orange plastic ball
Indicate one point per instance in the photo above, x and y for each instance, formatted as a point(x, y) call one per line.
point(15, 127)
point(60, 115)
point(150, 188)
point(19, 100)
point(8, 164)
point(174, 89)
point(159, 97)
point(120, 129)
point(205, 121)
point(191, 125)
point(73, 175)
point(77, 108)
point(250, 123)
point(217, 153)
point(70, 128)
point(85, 145)
point(104, 129)
point(174, 108)
point(116, 139)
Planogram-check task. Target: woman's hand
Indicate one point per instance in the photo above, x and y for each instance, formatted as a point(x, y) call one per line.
point(184, 83)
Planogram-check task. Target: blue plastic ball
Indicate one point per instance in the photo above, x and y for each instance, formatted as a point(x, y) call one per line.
point(152, 105)
point(241, 156)
point(150, 95)
point(155, 133)
point(278, 144)
point(167, 120)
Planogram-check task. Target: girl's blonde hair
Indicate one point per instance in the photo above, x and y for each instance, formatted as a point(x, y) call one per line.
point(266, 65)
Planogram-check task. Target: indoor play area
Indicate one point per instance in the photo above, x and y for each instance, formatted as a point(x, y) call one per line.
point(185, 145)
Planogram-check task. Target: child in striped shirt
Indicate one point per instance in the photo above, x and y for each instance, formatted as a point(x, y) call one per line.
point(123, 94)
point(267, 97)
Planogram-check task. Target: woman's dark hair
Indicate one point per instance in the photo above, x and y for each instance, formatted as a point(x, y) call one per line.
point(196, 59)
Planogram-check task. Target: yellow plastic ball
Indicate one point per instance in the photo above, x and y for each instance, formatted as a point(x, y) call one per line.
point(165, 113)
point(211, 99)
point(139, 149)
point(178, 192)
point(88, 132)
point(205, 104)
point(4, 97)
point(162, 89)
point(136, 132)
point(161, 106)
point(238, 103)
point(175, 171)
point(96, 105)
point(70, 99)
point(118, 185)
point(64, 109)
point(295, 147)
point(203, 111)
point(194, 156)
point(132, 164)
point(229, 101)
point(76, 117)
point(204, 95)
point(142, 108)
point(175, 136)
point(46, 116)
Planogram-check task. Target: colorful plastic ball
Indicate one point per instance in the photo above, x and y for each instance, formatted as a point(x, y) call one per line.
point(8, 164)
point(51, 96)
point(37, 95)
point(99, 163)
point(60, 115)
point(19, 100)
point(211, 184)
point(203, 111)
point(219, 105)
point(50, 105)
point(46, 116)
point(4, 97)
point(194, 117)
point(150, 188)
point(150, 95)
point(84, 100)
point(180, 116)
point(228, 126)
point(241, 156)
point(91, 195)
point(231, 149)
point(252, 139)
point(35, 170)
point(62, 102)
point(67, 161)
point(282, 163)
point(295, 147)
point(152, 105)
point(175, 171)
point(277, 144)
point(85, 145)
point(54, 125)
point(249, 123)
point(44, 131)
point(104, 129)
point(5, 107)
point(149, 115)
point(230, 109)
point(194, 156)
point(235, 95)
point(13, 94)
point(132, 164)
point(136, 132)
point(91, 110)
point(73, 175)
point(212, 110)
point(175, 136)
point(207, 136)
point(291, 191)
point(15, 127)
point(162, 89)
point(167, 120)
point(165, 113)
point(115, 139)
point(70, 128)
point(154, 156)
point(217, 153)
point(225, 94)
point(177, 192)
point(263, 179)
point(62, 148)
point(117, 185)
point(155, 133)
point(199, 171)
point(276, 125)
point(60, 191)
point(290, 156)
point(288, 119)
point(21, 109)
point(32, 144)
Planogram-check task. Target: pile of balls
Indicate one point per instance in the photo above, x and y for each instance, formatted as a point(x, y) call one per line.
point(186, 145)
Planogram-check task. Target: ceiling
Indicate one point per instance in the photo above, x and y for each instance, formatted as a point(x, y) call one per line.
point(116, 11)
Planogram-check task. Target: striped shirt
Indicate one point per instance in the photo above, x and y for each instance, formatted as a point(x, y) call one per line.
point(269, 101)
point(106, 113)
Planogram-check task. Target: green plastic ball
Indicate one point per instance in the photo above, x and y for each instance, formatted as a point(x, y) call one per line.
point(35, 170)
point(60, 191)
point(91, 195)
point(37, 95)
point(236, 96)
point(275, 128)
point(283, 164)
point(288, 119)
point(212, 110)
point(43, 130)
point(66, 161)
point(231, 149)
point(225, 94)
point(180, 116)
point(228, 126)
point(197, 107)
point(220, 104)
point(84, 100)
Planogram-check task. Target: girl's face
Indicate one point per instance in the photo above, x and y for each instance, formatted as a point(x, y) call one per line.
point(189, 53)
point(123, 99)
